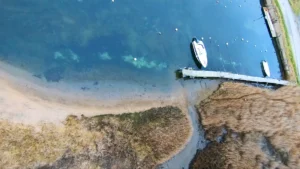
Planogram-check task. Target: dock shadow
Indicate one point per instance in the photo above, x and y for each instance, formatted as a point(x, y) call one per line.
point(278, 52)
point(178, 73)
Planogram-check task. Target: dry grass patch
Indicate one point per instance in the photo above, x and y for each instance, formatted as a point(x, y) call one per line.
point(151, 136)
point(262, 127)
point(25, 145)
point(133, 140)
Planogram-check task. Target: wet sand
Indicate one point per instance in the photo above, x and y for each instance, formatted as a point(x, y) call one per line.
point(30, 100)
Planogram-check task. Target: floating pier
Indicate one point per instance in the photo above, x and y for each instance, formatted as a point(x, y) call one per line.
point(269, 22)
point(225, 75)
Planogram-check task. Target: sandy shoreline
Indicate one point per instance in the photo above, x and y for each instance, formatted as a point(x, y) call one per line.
point(29, 100)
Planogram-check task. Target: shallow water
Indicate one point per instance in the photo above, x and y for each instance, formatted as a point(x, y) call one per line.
point(116, 45)
point(197, 141)
point(183, 158)
point(132, 41)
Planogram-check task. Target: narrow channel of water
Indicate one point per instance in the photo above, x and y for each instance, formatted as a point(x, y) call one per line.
point(196, 90)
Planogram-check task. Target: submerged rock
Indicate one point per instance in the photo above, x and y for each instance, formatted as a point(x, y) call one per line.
point(67, 55)
point(143, 63)
point(104, 56)
point(54, 74)
point(59, 55)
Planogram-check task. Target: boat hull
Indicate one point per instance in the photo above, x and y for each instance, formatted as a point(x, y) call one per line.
point(266, 68)
point(200, 52)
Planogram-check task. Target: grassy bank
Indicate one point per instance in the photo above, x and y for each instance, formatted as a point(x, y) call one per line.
point(250, 128)
point(131, 140)
point(295, 5)
point(287, 43)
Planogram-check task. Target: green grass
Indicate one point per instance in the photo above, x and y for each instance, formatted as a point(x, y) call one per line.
point(287, 44)
point(295, 5)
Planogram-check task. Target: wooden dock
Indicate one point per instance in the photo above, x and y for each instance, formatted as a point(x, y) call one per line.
point(225, 75)
point(269, 22)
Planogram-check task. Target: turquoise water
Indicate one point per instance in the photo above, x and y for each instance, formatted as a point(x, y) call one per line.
point(132, 40)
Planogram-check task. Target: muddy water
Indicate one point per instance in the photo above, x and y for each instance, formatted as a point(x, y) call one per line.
point(196, 90)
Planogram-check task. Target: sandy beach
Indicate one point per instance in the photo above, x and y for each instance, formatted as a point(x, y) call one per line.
point(30, 100)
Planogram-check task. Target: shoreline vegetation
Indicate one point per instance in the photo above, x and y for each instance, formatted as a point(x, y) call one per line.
point(49, 131)
point(250, 127)
point(131, 140)
point(295, 6)
point(287, 44)
point(245, 127)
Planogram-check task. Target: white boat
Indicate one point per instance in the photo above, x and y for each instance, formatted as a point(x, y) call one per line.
point(266, 68)
point(200, 51)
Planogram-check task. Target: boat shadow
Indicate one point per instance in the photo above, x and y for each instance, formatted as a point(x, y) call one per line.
point(199, 66)
point(262, 69)
point(178, 72)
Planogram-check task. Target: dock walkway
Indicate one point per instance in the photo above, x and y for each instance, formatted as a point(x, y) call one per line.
point(215, 74)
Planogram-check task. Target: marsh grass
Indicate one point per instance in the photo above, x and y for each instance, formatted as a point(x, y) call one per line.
point(131, 140)
point(25, 145)
point(152, 134)
point(261, 128)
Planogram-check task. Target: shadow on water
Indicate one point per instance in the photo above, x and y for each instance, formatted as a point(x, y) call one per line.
point(262, 69)
point(276, 47)
point(262, 2)
point(178, 74)
point(199, 66)
point(278, 52)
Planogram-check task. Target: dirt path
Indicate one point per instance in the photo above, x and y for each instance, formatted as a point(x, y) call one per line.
point(293, 29)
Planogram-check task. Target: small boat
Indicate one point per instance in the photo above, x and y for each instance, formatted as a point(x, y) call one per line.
point(200, 51)
point(266, 68)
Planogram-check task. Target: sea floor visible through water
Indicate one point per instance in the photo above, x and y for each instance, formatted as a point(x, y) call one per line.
point(102, 57)
point(27, 99)
point(143, 42)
